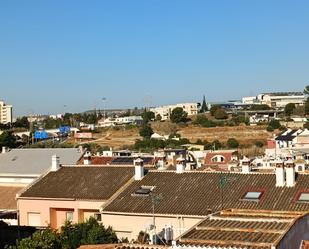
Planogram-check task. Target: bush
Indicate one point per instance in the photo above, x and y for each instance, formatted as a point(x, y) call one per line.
point(270, 128)
point(232, 143)
point(275, 124)
point(146, 131)
point(220, 114)
point(213, 109)
point(289, 108)
point(70, 236)
point(259, 144)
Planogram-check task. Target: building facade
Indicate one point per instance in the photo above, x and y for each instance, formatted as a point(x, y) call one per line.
point(6, 113)
point(165, 111)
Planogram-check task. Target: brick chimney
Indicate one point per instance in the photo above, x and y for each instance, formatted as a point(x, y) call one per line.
point(139, 169)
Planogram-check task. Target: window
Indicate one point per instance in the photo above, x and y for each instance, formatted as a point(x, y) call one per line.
point(69, 216)
point(144, 191)
point(304, 197)
point(217, 159)
point(252, 196)
point(34, 219)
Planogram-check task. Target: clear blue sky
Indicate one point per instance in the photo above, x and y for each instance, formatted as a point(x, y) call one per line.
point(69, 52)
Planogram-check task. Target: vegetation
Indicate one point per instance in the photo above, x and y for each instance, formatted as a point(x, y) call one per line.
point(148, 116)
point(148, 145)
point(204, 107)
point(146, 131)
point(178, 115)
point(8, 139)
point(306, 125)
point(220, 114)
point(259, 144)
point(289, 108)
point(213, 109)
point(71, 236)
point(260, 107)
point(273, 124)
point(232, 143)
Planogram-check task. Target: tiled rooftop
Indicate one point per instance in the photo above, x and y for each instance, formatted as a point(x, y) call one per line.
point(232, 229)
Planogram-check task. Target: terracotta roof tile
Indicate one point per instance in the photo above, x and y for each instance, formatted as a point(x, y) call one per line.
point(198, 193)
point(7, 197)
point(81, 182)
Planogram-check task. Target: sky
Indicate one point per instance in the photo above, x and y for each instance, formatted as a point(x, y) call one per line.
point(67, 55)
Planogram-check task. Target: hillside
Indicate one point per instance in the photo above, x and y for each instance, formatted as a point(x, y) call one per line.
point(120, 137)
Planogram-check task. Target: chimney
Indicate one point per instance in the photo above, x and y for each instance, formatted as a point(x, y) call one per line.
point(180, 165)
point(4, 149)
point(245, 165)
point(290, 173)
point(139, 169)
point(55, 163)
point(280, 174)
point(87, 158)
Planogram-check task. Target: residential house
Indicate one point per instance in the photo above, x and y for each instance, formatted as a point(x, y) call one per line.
point(180, 199)
point(72, 193)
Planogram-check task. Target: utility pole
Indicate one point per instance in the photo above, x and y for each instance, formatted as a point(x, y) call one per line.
point(155, 199)
point(104, 113)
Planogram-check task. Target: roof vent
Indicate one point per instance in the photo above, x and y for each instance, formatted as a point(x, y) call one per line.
point(139, 169)
point(180, 165)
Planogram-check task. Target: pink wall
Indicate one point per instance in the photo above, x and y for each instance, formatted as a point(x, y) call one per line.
point(53, 212)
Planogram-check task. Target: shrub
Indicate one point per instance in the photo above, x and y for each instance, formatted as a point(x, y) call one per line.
point(220, 114)
point(232, 143)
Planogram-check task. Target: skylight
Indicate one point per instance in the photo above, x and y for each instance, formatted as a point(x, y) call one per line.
point(252, 196)
point(144, 191)
point(304, 197)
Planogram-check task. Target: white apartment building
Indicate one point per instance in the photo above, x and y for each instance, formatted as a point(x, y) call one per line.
point(6, 113)
point(120, 121)
point(276, 99)
point(165, 111)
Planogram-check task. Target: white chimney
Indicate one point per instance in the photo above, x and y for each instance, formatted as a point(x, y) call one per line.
point(280, 174)
point(139, 169)
point(245, 165)
point(55, 163)
point(87, 158)
point(290, 173)
point(4, 149)
point(180, 165)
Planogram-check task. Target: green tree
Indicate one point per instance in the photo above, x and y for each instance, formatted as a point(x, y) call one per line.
point(289, 108)
point(204, 107)
point(42, 239)
point(8, 139)
point(71, 236)
point(259, 144)
point(148, 116)
point(220, 114)
point(213, 109)
point(259, 107)
point(306, 90)
point(232, 143)
point(146, 131)
point(178, 115)
point(158, 117)
point(274, 123)
point(22, 123)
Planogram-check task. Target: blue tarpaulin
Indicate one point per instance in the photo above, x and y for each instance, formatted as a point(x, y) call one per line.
point(40, 135)
point(64, 129)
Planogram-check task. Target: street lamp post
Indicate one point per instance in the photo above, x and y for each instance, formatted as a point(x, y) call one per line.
point(104, 100)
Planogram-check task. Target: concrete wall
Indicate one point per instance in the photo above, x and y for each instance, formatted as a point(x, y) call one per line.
point(130, 226)
point(53, 212)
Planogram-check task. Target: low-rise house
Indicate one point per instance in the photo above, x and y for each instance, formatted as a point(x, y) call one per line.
point(71, 193)
point(240, 230)
point(179, 199)
point(23, 166)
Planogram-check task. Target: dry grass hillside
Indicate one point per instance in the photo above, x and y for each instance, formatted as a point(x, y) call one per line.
point(118, 138)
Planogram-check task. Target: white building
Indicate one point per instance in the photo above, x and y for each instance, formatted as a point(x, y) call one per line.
point(165, 111)
point(276, 99)
point(120, 121)
point(6, 113)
